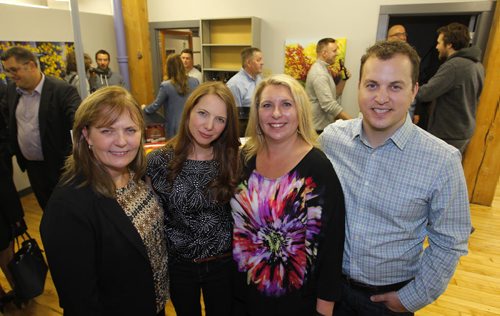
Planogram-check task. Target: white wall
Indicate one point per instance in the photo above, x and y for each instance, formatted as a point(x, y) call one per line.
point(356, 20)
point(19, 23)
point(33, 24)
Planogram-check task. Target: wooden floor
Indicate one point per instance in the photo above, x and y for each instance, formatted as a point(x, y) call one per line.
point(473, 291)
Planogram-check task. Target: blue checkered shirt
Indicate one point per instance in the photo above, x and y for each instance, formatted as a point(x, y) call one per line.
point(410, 187)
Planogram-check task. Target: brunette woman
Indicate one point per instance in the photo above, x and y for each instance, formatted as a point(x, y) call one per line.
point(195, 175)
point(173, 94)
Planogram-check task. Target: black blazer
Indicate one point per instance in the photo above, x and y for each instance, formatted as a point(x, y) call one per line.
point(58, 104)
point(98, 261)
point(11, 210)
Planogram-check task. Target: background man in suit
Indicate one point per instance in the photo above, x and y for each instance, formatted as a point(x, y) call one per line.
point(41, 111)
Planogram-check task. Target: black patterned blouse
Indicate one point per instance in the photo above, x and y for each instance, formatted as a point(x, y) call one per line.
point(197, 226)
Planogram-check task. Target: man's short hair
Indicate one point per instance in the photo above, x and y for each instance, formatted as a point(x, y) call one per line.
point(20, 54)
point(455, 34)
point(187, 51)
point(322, 43)
point(385, 50)
point(102, 51)
point(247, 53)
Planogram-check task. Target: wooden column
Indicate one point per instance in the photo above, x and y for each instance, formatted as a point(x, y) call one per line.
point(482, 158)
point(135, 16)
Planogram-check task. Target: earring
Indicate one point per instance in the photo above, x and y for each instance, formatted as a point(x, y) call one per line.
point(90, 147)
point(259, 131)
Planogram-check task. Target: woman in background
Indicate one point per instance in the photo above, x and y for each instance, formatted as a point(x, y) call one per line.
point(11, 210)
point(72, 73)
point(288, 213)
point(173, 94)
point(195, 175)
point(103, 228)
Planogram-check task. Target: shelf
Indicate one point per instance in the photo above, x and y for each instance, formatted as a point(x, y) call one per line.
point(226, 45)
point(227, 31)
point(222, 43)
point(223, 69)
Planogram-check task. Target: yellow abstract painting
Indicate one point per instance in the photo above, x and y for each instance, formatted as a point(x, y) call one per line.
point(300, 55)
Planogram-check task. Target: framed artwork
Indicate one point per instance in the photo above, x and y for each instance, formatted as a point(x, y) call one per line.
point(300, 55)
point(52, 55)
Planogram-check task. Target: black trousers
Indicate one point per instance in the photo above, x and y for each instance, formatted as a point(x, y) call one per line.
point(356, 301)
point(214, 278)
point(41, 180)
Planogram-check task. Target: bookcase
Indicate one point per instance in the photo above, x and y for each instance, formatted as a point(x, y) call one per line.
point(221, 43)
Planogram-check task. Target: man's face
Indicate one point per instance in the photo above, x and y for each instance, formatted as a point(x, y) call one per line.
point(397, 33)
point(329, 53)
point(187, 61)
point(442, 48)
point(25, 74)
point(385, 94)
point(102, 61)
point(255, 64)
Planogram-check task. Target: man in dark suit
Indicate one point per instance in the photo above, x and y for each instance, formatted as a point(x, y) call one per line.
point(41, 112)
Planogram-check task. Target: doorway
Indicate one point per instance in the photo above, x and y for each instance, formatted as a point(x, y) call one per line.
point(171, 38)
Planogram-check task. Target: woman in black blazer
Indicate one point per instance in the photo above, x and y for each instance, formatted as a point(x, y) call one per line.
point(103, 227)
point(11, 210)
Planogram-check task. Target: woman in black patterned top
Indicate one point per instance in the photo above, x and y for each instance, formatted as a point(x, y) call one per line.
point(103, 227)
point(195, 175)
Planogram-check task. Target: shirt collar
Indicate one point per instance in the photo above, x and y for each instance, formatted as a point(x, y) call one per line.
point(322, 62)
point(37, 90)
point(248, 75)
point(400, 138)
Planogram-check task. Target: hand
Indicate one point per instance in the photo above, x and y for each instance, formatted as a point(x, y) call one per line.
point(19, 228)
point(391, 301)
point(324, 307)
point(347, 74)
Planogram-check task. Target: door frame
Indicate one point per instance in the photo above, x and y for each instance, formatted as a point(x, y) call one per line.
point(483, 9)
point(156, 30)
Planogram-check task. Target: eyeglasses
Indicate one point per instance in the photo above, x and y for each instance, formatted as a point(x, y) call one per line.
point(14, 70)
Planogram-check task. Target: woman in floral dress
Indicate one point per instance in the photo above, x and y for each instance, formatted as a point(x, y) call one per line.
point(288, 214)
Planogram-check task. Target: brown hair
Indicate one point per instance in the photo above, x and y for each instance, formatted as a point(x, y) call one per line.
point(322, 43)
point(101, 108)
point(247, 54)
point(225, 147)
point(304, 116)
point(385, 50)
point(455, 34)
point(20, 54)
point(177, 74)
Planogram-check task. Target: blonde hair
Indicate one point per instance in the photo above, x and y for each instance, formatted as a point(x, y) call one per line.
point(305, 130)
point(102, 108)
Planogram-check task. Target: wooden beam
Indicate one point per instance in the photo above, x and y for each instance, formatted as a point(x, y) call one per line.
point(482, 158)
point(135, 16)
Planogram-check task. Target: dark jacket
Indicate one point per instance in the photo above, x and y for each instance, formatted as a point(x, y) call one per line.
point(98, 261)
point(58, 104)
point(455, 88)
point(11, 210)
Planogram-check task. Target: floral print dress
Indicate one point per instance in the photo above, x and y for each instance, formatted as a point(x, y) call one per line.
point(288, 238)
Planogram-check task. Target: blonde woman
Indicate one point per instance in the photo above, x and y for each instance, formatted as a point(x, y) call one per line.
point(288, 213)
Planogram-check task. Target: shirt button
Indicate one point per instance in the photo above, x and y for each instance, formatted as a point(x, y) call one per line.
point(366, 182)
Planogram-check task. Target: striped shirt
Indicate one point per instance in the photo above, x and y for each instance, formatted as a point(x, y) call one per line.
point(410, 187)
